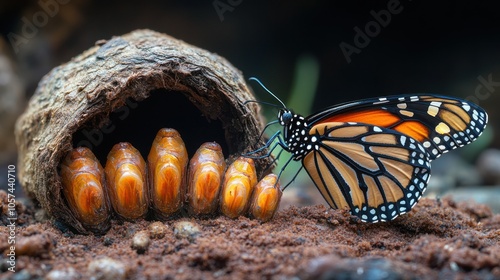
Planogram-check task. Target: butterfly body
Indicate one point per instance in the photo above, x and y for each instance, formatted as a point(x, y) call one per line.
point(373, 156)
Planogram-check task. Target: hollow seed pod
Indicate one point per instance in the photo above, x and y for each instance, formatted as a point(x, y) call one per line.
point(239, 180)
point(265, 198)
point(83, 181)
point(167, 162)
point(68, 102)
point(127, 181)
point(206, 170)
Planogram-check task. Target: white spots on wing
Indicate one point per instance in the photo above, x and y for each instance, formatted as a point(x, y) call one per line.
point(442, 128)
point(403, 140)
point(382, 100)
point(402, 105)
point(433, 110)
point(406, 113)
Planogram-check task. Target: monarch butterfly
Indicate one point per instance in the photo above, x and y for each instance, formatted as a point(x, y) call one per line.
point(373, 156)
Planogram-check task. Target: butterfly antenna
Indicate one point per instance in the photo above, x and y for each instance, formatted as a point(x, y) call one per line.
point(265, 88)
point(260, 102)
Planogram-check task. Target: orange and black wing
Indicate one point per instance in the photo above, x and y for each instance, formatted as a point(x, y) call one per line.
point(439, 123)
point(377, 173)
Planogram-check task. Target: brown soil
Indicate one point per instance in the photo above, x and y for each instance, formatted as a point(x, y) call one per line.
point(439, 239)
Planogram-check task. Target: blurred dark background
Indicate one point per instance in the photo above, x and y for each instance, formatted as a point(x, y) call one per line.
point(446, 47)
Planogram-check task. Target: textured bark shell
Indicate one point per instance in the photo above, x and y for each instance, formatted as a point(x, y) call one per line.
point(102, 79)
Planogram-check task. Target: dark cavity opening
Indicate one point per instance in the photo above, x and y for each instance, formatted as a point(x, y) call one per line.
point(138, 123)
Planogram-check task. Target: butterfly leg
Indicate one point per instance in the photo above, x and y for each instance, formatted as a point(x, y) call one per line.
point(273, 161)
point(294, 176)
point(265, 128)
point(293, 179)
point(280, 142)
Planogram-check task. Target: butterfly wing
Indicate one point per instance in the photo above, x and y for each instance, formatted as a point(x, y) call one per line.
point(439, 123)
point(377, 173)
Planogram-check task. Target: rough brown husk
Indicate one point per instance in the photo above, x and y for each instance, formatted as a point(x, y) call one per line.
point(100, 80)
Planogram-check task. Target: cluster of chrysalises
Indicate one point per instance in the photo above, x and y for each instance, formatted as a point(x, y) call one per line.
point(168, 184)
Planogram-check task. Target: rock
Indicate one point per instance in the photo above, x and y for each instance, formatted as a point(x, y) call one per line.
point(41, 216)
point(106, 269)
point(186, 229)
point(140, 241)
point(63, 274)
point(38, 245)
point(107, 241)
point(157, 230)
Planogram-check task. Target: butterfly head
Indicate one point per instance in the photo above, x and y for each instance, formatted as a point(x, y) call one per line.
point(285, 117)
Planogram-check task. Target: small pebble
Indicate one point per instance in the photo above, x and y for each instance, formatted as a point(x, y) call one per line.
point(140, 241)
point(157, 230)
point(63, 274)
point(106, 269)
point(185, 229)
point(41, 216)
point(108, 241)
point(34, 246)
